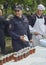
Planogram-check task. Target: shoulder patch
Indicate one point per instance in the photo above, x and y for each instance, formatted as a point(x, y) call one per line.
point(10, 26)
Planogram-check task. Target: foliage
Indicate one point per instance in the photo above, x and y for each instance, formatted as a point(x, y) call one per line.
point(31, 3)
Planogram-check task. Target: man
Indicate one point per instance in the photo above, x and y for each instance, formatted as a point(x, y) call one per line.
point(2, 37)
point(38, 22)
point(19, 30)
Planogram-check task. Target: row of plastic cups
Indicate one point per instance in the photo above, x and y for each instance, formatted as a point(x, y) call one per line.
point(16, 56)
point(23, 53)
point(6, 58)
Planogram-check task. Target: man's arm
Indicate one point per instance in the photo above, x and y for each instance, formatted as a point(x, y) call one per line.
point(11, 31)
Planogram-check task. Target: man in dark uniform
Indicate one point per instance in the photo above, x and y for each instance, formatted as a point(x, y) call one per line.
point(38, 23)
point(2, 38)
point(18, 29)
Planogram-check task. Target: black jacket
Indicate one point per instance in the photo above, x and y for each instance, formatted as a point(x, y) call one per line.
point(19, 27)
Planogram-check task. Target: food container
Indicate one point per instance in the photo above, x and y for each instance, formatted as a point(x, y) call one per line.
point(43, 42)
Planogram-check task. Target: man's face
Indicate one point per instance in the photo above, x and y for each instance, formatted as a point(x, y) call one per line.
point(0, 12)
point(40, 12)
point(18, 13)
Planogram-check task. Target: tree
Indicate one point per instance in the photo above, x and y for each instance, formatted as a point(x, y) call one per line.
point(31, 3)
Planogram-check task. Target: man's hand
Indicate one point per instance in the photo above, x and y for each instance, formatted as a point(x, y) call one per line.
point(22, 38)
point(36, 33)
point(31, 41)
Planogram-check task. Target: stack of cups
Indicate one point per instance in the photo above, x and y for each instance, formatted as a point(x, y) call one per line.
point(19, 54)
point(25, 52)
point(28, 49)
point(15, 56)
point(11, 56)
point(22, 53)
point(4, 59)
point(32, 50)
point(7, 57)
point(1, 61)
